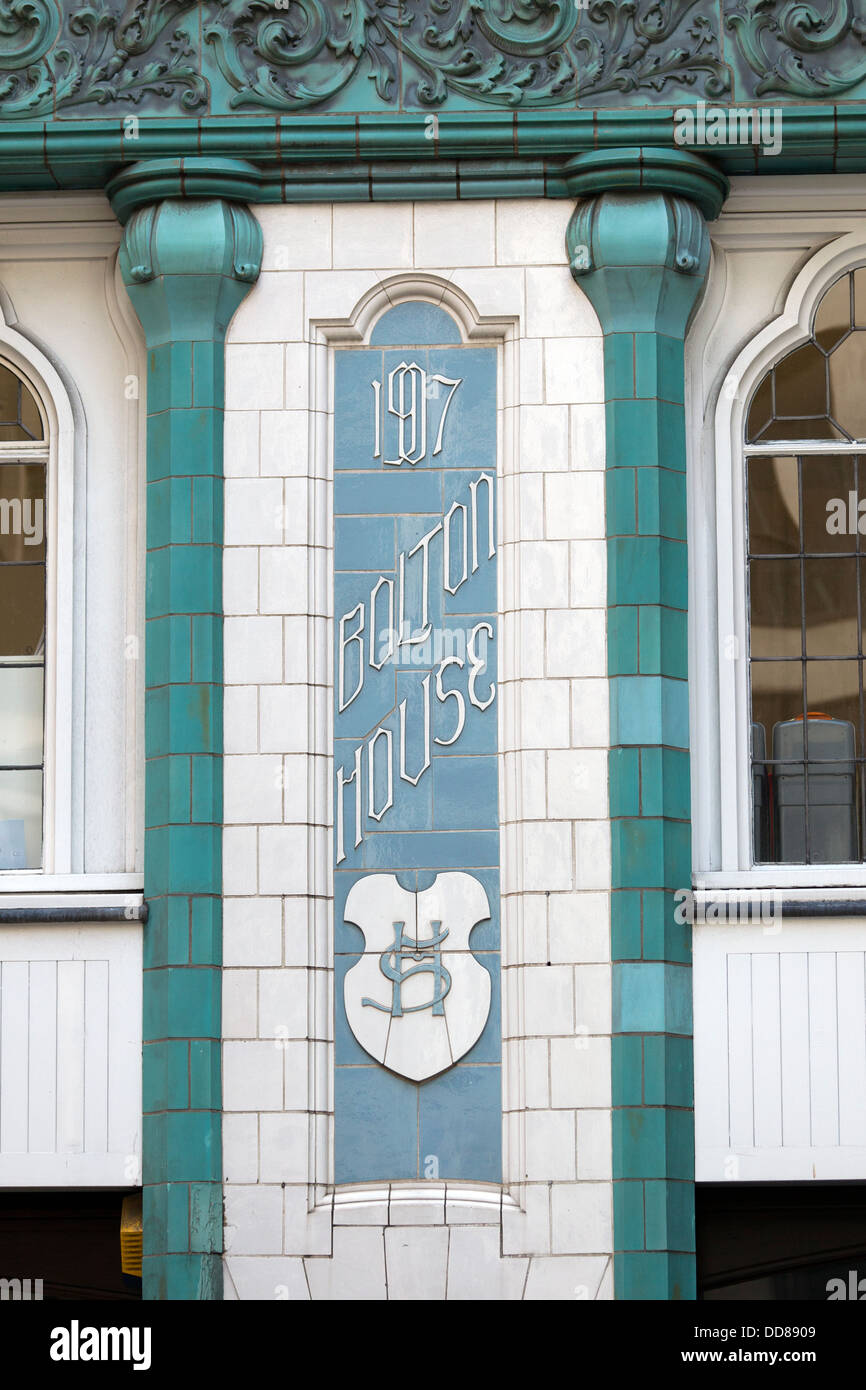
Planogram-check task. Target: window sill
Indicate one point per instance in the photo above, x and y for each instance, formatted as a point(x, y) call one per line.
point(762, 904)
point(27, 897)
point(791, 879)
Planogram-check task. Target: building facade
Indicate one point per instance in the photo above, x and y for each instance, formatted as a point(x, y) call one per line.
point(432, 849)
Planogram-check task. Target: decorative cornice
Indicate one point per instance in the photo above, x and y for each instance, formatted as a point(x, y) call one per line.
point(425, 56)
point(311, 158)
point(678, 172)
point(152, 180)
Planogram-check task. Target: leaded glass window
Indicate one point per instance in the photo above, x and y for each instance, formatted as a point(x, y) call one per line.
point(23, 463)
point(806, 471)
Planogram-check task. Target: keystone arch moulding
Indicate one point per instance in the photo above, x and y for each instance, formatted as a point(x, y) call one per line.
point(501, 332)
point(722, 701)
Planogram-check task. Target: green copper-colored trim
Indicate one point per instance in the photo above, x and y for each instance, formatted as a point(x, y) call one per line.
point(187, 266)
point(677, 171)
point(196, 176)
point(302, 158)
point(642, 258)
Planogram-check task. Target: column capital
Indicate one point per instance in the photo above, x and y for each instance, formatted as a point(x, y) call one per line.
point(638, 243)
point(194, 176)
point(649, 168)
point(187, 264)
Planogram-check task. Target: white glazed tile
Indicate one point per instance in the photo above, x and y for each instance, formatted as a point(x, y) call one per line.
point(580, 1072)
point(263, 1279)
point(556, 307)
point(577, 783)
point(574, 506)
point(240, 1148)
point(454, 234)
point(594, 1145)
point(240, 719)
point(297, 236)
point(573, 371)
point(253, 650)
point(239, 1003)
point(356, 1270)
point(548, 1000)
point(273, 311)
point(284, 1143)
point(254, 376)
point(253, 1220)
point(476, 1271)
point(579, 927)
point(252, 927)
point(253, 789)
point(564, 1278)
point(550, 1146)
point(305, 1232)
point(252, 1079)
point(283, 859)
point(531, 231)
point(543, 438)
point(377, 235)
point(416, 1261)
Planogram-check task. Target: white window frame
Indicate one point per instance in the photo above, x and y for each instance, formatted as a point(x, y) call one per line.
point(734, 867)
point(56, 450)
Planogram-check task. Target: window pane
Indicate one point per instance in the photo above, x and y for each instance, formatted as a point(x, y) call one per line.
point(777, 695)
point(815, 800)
point(833, 319)
point(822, 428)
point(21, 715)
point(20, 820)
point(19, 413)
point(774, 506)
point(860, 298)
point(847, 365)
point(22, 609)
point(833, 688)
point(828, 481)
point(761, 409)
point(775, 608)
point(22, 511)
point(801, 386)
point(831, 607)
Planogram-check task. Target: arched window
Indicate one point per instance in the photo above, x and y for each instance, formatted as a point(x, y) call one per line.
point(806, 560)
point(23, 460)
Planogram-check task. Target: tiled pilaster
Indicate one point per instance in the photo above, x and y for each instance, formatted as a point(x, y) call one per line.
point(187, 266)
point(641, 257)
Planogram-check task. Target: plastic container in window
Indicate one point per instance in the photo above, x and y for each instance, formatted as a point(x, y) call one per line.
point(760, 799)
point(832, 794)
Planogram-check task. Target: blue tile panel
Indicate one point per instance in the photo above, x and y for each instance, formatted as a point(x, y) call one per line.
point(414, 519)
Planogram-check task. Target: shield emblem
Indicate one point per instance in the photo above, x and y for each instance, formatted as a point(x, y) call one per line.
point(418, 999)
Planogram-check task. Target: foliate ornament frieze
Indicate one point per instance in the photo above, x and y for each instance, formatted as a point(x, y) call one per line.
point(101, 55)
point(281, 56)
point(507, 53)
point(799, 49)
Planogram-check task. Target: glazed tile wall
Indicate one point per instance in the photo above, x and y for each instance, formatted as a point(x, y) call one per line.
point(546, 1233)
